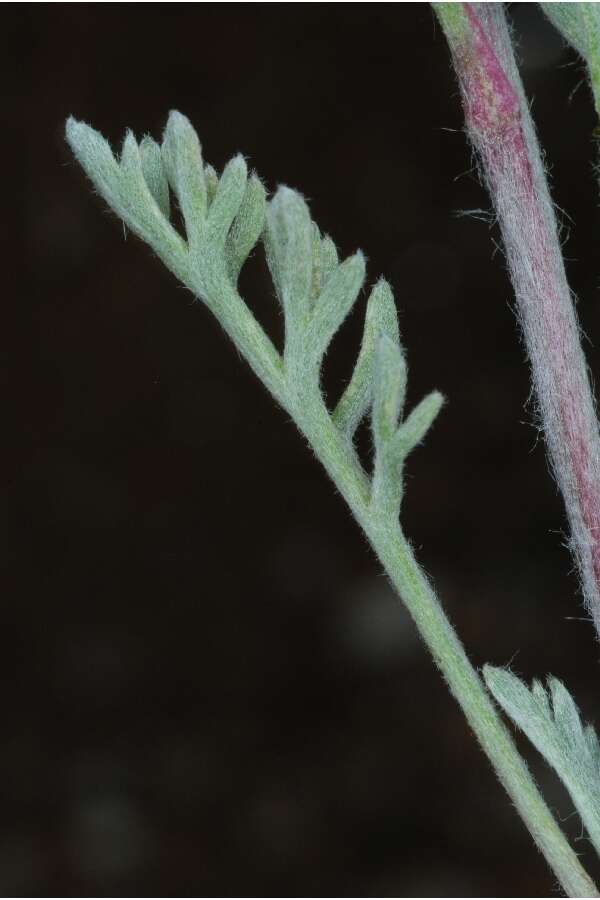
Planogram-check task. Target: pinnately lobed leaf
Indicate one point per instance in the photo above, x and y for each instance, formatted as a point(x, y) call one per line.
point(389, 388)
point(551, 721)
point(227, 201)
point(339, 293)
point(288, 245)
point(247, 227)
point(223, 217)
point(182, 158)
point(380, 319)
point(154, 174)
point(417, 423)
point(123, 186)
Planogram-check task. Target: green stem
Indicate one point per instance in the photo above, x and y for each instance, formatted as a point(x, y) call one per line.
point(339, 458)
point(440, 637)
point(468, 689)
point(337, 455)
point(294, 382)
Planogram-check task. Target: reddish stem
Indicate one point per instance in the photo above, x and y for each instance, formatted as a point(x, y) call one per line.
point(500, 127)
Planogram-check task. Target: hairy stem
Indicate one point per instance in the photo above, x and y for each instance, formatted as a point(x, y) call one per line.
point(337, 455)
point(442, 641)
point(502, 132)
point(224, 217)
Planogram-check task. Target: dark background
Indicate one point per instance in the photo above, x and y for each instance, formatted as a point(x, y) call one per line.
point(207, 686)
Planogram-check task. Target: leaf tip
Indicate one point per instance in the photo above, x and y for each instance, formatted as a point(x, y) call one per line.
point(78, 134)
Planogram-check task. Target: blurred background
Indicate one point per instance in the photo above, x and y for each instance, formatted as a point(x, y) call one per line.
point(208, 686)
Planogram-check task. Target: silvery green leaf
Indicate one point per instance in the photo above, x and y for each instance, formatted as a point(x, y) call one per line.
point(97, 160)
point(593, 747)
point(141, 211)
point(125, 190)
point(417, 424)
point(227, 200)
point(334, 303)
point(247, 226)
point(389, 387)
point(328, 259)
point(225, 217)
point(325, 262)
point(291, 243)
point(380, 318)
point(557, 733)
point(212, 183)
point(288, 245)
point(182, 159)
point(516, 699)
point(539, 693)
point(317, 279)
point(566, 713)
point(131, 163)
point(154, 173)
point(579, 24)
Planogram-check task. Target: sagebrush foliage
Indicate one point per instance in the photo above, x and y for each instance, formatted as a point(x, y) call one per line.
point(225, 218)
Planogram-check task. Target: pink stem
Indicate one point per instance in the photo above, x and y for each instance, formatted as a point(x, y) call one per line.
point(501, 129)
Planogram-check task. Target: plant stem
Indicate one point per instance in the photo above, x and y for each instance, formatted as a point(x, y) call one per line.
point(468, 689)
point(502, 131)
point(204, 266)
point(339, 458)
point(438, 634)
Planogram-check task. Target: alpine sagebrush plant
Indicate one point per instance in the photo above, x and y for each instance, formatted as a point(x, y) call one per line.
point(225, 217)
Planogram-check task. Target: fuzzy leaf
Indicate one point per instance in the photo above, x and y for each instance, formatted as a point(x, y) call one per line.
point(557, 733)
point(539, 693)
point(316, 285)
point(140, 209)
point(516, 700)
point(380, 318)
point(224, 217)
point(125, 190)
point(288, 245)
point(328, 259)
point(325, 261)
point(212, 183)
point(579, 24)
point(247, 226)
point(593, 747)
point(97, 160)
point(389, 386)
point(334, 303)
point(227, 200)
point(566, 714)
point(182, 158)
point(154, 174)
point(417, 424)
